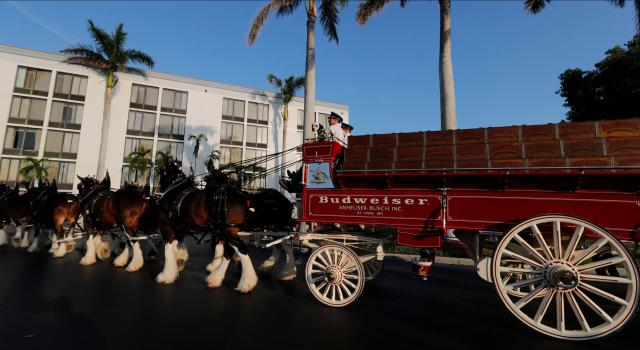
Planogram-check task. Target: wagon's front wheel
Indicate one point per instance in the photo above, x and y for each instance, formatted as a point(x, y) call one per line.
point(575, 280)
point(335, 276)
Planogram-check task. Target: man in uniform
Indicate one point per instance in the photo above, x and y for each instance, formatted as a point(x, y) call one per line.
point(346, 128)
point(335, 126)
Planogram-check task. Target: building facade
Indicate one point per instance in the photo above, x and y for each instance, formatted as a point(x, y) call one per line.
point(53, 110)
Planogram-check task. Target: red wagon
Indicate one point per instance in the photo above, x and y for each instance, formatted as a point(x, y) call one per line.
point(560, 201)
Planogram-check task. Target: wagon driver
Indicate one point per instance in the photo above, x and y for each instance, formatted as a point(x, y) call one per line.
point(335, 126)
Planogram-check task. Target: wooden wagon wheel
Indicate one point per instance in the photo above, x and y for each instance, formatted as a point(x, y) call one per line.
point(335, 276)
point(571, 297)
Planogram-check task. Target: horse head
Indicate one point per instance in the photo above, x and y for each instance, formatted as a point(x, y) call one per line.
point(86, 184)
point(216, 178)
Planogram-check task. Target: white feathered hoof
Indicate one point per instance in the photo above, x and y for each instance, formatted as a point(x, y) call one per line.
point(34, 247)
point(215, 278)
point(170, 271)
point(4, 239)
point(249, 279)
point(217, 258)
point(102, 249)
point(24, 243)
point(89, 257)
point(17, 237)
point(60, 251)
point(182, 255)
point(137, 261)
point(122, 259)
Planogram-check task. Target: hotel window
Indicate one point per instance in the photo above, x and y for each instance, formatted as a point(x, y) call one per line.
point(231, 134)
point(70, 87)
point(232, 110)
point(255, 182)
point(256, 157)
point(258, 113)
point(132, 176)
point(61, 144)
point(25, 110)
point(300, 119)
point(131, 145)
point(176, 148)
point(144, 97)
point(32, 81)
point(62, 172)
point(174, 101)
point(66, 115)
point(323, 118)
point(230, 155)
point(22, 141)
point(171, 127)
point(141, 123)
point(256, 136)
point(10, 170)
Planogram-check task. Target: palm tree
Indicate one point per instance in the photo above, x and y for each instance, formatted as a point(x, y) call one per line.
point(163, 158)
point(197, 140)
point(140, 162)
point(108, 56)
point(368, 8)
point(535, 6)
point(210, 163)
point(34, 170)
point(287, 90)
point(329, 18)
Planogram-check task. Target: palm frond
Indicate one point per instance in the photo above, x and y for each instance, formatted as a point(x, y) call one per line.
point(286, 7)
point(636, 4)
point(330, 18)
point(258, 22)
point(618, 3)
point(137, 56)
point(370, 8)
point(119, 38)
point(535, 6)
point(101, 38)
point(134, 70)
point(85, 55)
point(274, 81)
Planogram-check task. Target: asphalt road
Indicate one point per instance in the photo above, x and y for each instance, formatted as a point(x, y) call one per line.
point(48, 303)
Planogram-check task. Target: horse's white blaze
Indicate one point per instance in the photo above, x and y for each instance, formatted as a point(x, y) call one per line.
point(170, 271)
point(217, 258)
point(268, 264)
point(137, 260)
point(4, 240)
point(89, 257)
point(216, 277)
point(122, 259)
point(249, 279)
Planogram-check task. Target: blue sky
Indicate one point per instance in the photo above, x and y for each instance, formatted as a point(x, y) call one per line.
point(506, 62)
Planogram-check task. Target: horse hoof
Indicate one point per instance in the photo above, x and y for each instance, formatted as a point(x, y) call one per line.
point(246, 287)
point(87, 262)
point(213, 282)
point(162, 278)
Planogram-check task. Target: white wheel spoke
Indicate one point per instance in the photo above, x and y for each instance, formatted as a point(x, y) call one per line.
point(602, 263)
point(506, 278)
point(521, 258)
point(327, 254)
point(321, 285)
point(589, 252)
point(600, 292)
point(560, 312)
point(544, 305)
point(351, 277)
point(326, 291)
point(351, 284)
point(533, 252)
point(340, 292)
point(540, 239)
point(322, 260)
point(518, 270)
point(575, 239)
point(608, 279)
point(319, 278)
point(527, 298)
point(557, 240)
point(345, 289)
point(333, 292)
point(578, 312)
point(316, 263)
point(523, 283)
point(317, 271)
point(585, 298)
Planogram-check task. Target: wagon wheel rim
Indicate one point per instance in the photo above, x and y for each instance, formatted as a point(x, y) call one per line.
point(335, 276)
point(372, 268)
point(569, 297)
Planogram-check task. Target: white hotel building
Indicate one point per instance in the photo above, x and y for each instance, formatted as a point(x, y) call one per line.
point(51, 109)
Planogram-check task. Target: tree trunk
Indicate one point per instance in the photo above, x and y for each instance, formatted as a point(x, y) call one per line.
point(447, 90)
point(310, 73)
point(285, 122)
point(104, 137)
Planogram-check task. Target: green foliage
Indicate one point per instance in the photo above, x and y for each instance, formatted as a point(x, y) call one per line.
point(610, 91)
point(163, 158)
point(197, 140)
point(34, 169)
point(287, 87)
point(107, 54)
point(536, 6)
point(210, 162)
point(140, 161)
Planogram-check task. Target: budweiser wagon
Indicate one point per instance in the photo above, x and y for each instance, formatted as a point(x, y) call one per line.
point(560, 202)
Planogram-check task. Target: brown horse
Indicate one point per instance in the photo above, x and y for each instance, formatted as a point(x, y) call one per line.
point(52, 210)
point(17, 210)
point(220, 209)
point(103, 210)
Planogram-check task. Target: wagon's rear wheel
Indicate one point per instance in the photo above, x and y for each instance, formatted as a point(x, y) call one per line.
point(575, 280)
point(335, 276)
